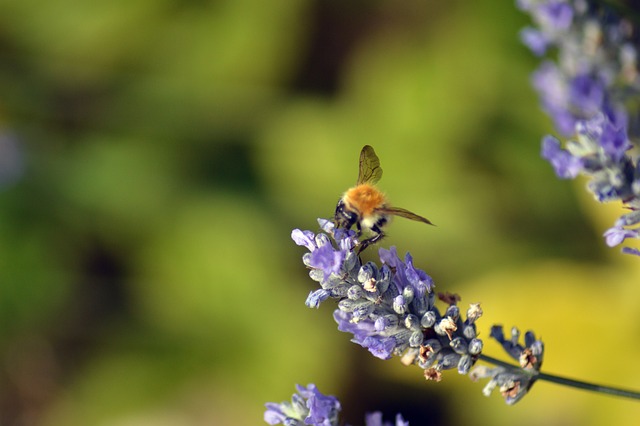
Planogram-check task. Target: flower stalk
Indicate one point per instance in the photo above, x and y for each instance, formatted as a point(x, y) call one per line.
point(564, 381)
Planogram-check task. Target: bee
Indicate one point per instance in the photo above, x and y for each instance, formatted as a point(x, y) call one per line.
point(365, 206)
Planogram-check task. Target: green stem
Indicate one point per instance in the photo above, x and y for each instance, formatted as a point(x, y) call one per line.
point(565, 381)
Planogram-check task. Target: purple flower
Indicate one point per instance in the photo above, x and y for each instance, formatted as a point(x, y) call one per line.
point(617, 234)
point(346, 239)
point(614, 141)
point(554, 93)
point(405, 273)
point(586, 95)
point(360, 330)
point(375, 419)
point(555, 14)
point(366, 334)
point(323, 256)
point(629, 250)
point(327, 259)
point(417, 278)
point(534, 40)
point(389, 257)
point(552, 15)
point(274, 414)
point(322, 408)
point(565, 165)
point(309, 407)
point(304, 238)
point(380, 347)
point(607, 132)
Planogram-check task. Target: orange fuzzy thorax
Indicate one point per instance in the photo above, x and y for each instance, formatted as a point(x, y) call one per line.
point(364, 198)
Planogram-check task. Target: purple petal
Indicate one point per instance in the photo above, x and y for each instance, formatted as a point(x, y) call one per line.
point(373, 419)
point(360, 330)
point(274, 414)
point(304, 238)
point(614, 141)
point(417, 278)
point(389, 257)
point(327, 225)
point(327, 259)
point(616, 235)
point(564, 164)
point(629, 250)
point(534, 40)
point(380, 347)
point(610, 131)
point(556, 14)
point(551, 85)
point(322, 408)
point(400, 421)
point(586, 95)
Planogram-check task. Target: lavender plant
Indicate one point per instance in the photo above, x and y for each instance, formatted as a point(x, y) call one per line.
point(390, 309)
point(310, 407)
point(589, 86)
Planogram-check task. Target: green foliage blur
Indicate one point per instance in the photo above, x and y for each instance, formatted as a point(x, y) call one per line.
point(157, 154)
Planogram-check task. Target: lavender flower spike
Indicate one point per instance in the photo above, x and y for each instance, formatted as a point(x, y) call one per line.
point(375, 419)
point(310, 407)
point(591, 92)
point(389, 308)
point(307, 407)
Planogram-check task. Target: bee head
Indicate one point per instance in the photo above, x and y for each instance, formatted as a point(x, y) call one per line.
point(344, 218)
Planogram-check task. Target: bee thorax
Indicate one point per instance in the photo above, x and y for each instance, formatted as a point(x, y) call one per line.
point(364, 198)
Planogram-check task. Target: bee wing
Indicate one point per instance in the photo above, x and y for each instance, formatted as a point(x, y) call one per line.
point(370, 170)
point(397, 211)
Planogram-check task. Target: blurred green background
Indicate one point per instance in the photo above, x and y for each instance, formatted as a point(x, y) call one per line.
point(155, 156)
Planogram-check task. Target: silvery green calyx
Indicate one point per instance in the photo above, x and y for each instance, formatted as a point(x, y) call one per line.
point(589, 85)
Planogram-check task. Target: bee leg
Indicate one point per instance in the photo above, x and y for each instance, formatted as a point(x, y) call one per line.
point(360, 243)
point(366, 243)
